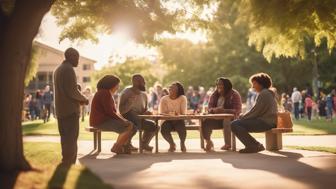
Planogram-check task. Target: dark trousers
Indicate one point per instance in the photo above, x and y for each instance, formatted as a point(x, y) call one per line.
point(296, 110)
point(309, 112)
point(210, 124)
point(173, 125)
point(69, 128)
point(48, 108)
point(148, 126)
point(241, 129)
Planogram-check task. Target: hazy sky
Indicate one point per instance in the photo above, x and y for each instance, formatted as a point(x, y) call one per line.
point(117, 44)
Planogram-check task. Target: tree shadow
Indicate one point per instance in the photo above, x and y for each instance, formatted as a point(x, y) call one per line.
point(293, 168)
point(58, 179)
point(283, 163)
point(8, 180)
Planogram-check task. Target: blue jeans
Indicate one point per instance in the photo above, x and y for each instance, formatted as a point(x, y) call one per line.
point(296, 110)
point(242, 128)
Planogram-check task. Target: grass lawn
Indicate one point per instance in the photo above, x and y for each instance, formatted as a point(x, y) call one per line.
point(314, 148)
point(46, 157)
point(301, 127)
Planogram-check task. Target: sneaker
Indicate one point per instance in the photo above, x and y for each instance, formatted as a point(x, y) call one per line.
point(183, 148)
point(255, 149)
point(132, 148)
point(226, 147)
point(146, 147)
point(172, 148)
point(209, 146)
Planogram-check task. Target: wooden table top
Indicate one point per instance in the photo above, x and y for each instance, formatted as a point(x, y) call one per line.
point(187, 116)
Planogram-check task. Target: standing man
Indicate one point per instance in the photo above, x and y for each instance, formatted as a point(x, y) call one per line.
point(296, 99)
point(67, 104)
point(133, 102)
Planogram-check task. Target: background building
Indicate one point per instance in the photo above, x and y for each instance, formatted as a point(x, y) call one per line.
point(48, 59)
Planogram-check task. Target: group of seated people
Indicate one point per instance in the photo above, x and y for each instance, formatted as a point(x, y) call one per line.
point(225, 99)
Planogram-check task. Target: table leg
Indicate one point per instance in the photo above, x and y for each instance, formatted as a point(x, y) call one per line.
point(140, 136)
point(157, 136)
point(201, 133)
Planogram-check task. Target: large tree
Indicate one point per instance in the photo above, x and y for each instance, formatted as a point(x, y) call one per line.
point(20, 22)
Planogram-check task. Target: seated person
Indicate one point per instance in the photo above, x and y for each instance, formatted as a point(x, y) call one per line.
point(262, 116)
point(133, 102)
point(104, 115)
point(175, 103)
point(223, 100)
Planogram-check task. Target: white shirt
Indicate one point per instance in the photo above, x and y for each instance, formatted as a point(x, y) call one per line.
point(178, 105)
point(296, 96)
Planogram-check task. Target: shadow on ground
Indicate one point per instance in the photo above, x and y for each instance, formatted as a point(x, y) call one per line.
point(288, 165)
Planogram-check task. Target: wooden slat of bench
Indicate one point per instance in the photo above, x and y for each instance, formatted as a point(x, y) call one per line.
point(282, 130)
point(92, 129)
point(192, 127)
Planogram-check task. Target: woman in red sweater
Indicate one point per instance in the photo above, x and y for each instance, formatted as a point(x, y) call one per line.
point(104, 114)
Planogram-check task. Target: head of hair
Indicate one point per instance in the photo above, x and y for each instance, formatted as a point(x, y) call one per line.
point(108, 82)
point(263, 79)
point(227, 84)
point(70, 52)
point(136, 77)
point(180, 89)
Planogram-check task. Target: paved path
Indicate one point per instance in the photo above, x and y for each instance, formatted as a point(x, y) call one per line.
point(199, 170)
point(317, 140)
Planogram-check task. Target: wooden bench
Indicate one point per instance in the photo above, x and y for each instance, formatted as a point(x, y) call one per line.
point(96, 137)
point(274, 138)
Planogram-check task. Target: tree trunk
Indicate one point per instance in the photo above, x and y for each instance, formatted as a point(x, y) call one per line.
point(17, 32)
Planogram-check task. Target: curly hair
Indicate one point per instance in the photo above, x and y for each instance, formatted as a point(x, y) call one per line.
point(263, 79)
point(108, 82)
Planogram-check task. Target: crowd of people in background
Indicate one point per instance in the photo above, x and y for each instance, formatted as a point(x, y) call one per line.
point(39, 105)
point(304, 104)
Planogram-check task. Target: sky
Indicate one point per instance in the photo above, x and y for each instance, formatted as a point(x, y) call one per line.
point(118, 45)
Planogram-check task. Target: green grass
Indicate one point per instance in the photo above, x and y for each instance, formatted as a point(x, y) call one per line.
point(301, 127)
point(314, 148)
point(45, 157)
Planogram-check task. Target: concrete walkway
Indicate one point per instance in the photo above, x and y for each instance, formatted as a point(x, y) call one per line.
point(317, 140)
point(199, 170)
point(221, 169)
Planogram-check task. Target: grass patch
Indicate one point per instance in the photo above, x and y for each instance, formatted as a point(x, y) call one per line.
point(314, 148)
point(301, 127)
point(46, 157)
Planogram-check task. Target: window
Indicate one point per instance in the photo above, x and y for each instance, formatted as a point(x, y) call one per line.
point(86, 79)
point(86, 67)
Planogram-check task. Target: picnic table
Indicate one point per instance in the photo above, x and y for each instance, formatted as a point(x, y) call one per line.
point(200, 117)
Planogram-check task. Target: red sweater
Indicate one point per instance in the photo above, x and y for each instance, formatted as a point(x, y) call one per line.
point(102, 108)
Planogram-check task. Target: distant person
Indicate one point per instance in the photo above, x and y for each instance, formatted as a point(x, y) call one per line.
point(333, 92)
point(195, 100)
point(67, 105)
point(225, 99)
point(296, 98)
point(262, 117)
point(174, 104)
point(132, 103)
point(48, 99)
point(251, 96)
point(86, 109)
point(309, 106)
point(39, 104)
point(322, 104)
point(104, 114)
point(329, 106)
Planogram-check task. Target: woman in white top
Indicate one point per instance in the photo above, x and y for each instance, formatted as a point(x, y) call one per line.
point(175, 103)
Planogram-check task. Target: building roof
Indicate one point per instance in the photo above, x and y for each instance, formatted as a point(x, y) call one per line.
point(44, 46)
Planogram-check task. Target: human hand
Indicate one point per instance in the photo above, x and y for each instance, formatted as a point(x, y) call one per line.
point(148, 113)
